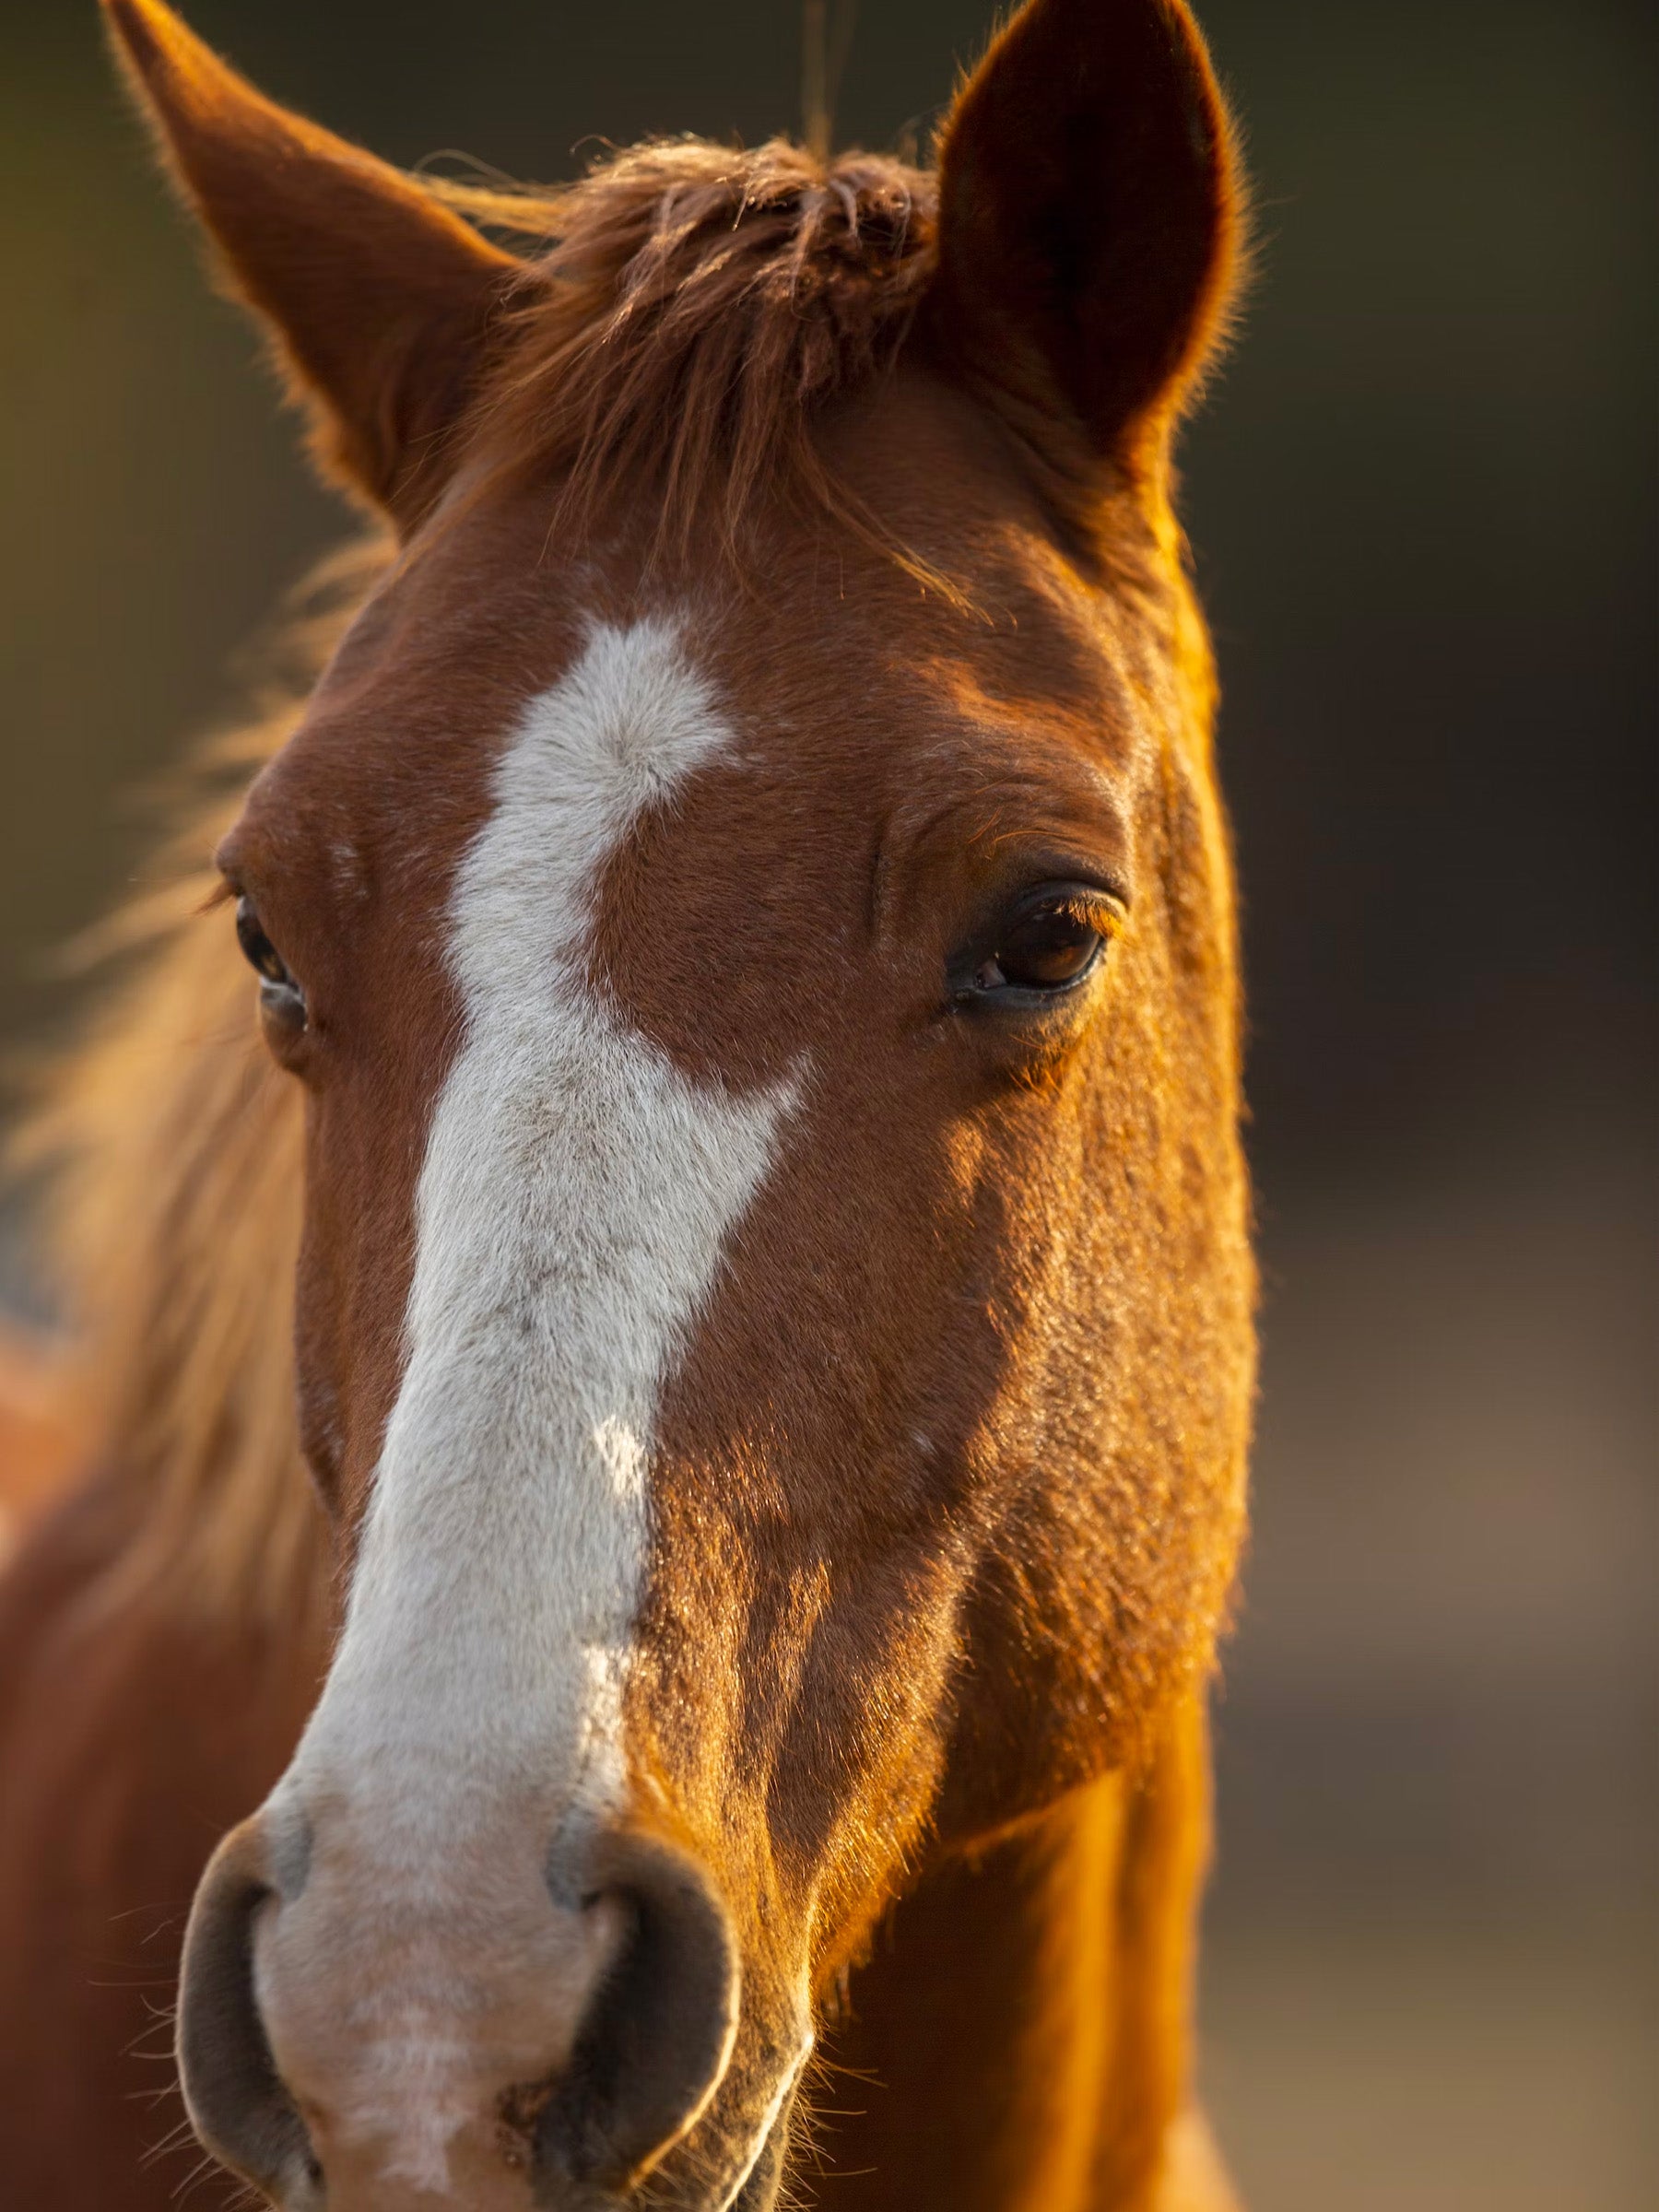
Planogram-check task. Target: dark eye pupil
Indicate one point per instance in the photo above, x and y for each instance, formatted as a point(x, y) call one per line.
point(1048, 950)
point(261, 954)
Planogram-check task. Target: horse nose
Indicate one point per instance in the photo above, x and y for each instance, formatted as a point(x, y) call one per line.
point(335, 2056)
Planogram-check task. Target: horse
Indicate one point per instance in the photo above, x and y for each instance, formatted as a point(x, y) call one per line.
point(659, 1242)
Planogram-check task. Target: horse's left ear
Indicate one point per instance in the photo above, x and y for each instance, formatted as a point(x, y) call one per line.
point(377, 297)
point(1089, 221)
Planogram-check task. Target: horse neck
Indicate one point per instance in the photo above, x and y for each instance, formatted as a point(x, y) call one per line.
point(1018, 2040)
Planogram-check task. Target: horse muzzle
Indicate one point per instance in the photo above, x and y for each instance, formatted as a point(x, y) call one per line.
point(357, 2033)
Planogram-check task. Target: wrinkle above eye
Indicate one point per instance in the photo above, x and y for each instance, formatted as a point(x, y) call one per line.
point(997, 827)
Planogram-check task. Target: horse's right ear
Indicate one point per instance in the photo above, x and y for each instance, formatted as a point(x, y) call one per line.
point(377, 298)
point(1089, 212)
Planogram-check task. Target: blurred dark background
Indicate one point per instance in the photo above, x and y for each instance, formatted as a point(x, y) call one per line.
point(1423, 500)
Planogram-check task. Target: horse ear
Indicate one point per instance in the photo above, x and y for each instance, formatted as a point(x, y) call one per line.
point(1090, 217)
point(377, 298)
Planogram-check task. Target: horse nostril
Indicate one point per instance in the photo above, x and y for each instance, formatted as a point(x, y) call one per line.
point(649, 2050)
point(658, 2033)
point(235, 2097)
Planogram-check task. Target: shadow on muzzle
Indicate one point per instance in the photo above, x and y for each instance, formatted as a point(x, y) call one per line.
point(655, 2025)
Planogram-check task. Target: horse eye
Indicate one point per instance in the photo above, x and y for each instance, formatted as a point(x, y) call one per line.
point(278, 993)
point(1049, 949)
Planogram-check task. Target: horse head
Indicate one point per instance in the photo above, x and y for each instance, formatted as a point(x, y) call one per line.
point(749, 912)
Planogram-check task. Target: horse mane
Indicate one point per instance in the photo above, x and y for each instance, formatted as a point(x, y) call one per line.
point(685, 310)
point(168, 1146)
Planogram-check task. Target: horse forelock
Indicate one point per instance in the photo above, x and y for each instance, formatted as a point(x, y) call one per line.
point(685, 310)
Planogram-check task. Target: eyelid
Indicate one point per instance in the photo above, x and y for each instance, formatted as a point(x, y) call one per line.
point(227, 855)
point(1092, 881)
point(1104, 908)
point(1087, 901)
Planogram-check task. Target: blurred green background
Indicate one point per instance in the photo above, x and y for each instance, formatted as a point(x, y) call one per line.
point(1423, 500)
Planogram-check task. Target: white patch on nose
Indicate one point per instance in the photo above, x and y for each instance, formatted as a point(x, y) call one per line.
point(575, 1196)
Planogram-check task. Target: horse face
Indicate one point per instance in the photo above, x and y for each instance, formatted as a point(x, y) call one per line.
point(771, 1266)
point(773, 1279)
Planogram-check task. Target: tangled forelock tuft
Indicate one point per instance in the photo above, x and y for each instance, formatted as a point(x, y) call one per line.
point(684, 311)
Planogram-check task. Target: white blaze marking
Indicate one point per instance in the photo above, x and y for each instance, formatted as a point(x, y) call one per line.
point(572, 1206)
